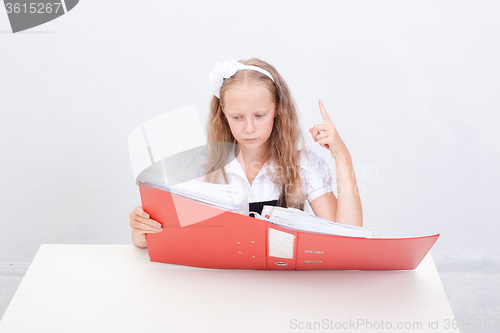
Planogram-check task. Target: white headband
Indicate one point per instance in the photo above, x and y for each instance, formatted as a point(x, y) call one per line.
point(226, 70)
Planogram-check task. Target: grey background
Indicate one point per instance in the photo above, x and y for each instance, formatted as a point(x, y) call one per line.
point(413, 89)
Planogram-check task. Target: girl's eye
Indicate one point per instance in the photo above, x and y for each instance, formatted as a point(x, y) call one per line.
point(257, 115)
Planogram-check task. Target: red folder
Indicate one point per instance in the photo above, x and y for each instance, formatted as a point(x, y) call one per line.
point(229, 240)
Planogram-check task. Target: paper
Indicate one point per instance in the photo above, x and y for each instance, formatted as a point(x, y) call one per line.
point(295, 219)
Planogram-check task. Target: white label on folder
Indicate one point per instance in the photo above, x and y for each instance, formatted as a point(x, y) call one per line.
point(281, 244)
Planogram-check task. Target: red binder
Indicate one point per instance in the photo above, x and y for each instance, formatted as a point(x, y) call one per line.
point(233, 241)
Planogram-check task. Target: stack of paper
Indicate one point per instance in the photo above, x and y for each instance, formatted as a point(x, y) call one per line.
point(227, 197)
point(295, 219)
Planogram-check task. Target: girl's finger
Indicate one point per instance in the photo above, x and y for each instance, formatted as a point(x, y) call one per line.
point(149, 222)
point(139, 211)
point(320, 136)
point(318, 128)
point(324, 114)
point(324, 142)
point(145, 227)
point(324, 134)
point(322, 127)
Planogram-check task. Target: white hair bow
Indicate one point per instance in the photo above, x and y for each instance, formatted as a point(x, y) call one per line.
point(226, 70)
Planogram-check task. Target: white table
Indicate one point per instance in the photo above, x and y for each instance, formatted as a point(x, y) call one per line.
point(115, 288)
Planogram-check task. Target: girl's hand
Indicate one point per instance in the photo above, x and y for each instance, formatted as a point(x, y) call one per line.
point(142, 224)
point(327, 136)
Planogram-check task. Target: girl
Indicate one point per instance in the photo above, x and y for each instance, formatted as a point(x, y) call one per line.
point(253, 108)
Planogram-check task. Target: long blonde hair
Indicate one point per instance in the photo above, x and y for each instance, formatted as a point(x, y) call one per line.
point(283, 144)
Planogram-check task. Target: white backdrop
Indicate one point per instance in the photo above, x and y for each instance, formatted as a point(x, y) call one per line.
point(413, 89)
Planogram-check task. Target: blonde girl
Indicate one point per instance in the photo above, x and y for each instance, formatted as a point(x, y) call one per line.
point(252, 107)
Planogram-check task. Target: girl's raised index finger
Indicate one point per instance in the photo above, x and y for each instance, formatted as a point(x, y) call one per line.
point(324, 114)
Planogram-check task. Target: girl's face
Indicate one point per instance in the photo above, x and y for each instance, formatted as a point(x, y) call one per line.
point(250, 112)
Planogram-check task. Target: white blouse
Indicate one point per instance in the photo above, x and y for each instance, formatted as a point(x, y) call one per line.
point(314, 173)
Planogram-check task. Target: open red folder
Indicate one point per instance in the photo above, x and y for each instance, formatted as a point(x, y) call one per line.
point(229, 240)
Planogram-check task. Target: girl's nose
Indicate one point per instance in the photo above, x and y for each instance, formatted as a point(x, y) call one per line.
point(249, 126)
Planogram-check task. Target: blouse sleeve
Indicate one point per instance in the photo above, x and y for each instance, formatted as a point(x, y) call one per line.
point(315, 174)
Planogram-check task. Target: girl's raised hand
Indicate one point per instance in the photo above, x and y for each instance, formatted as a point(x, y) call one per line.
point(327, 136)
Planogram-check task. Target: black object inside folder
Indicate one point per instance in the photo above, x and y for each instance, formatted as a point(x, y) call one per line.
point(258, 206)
